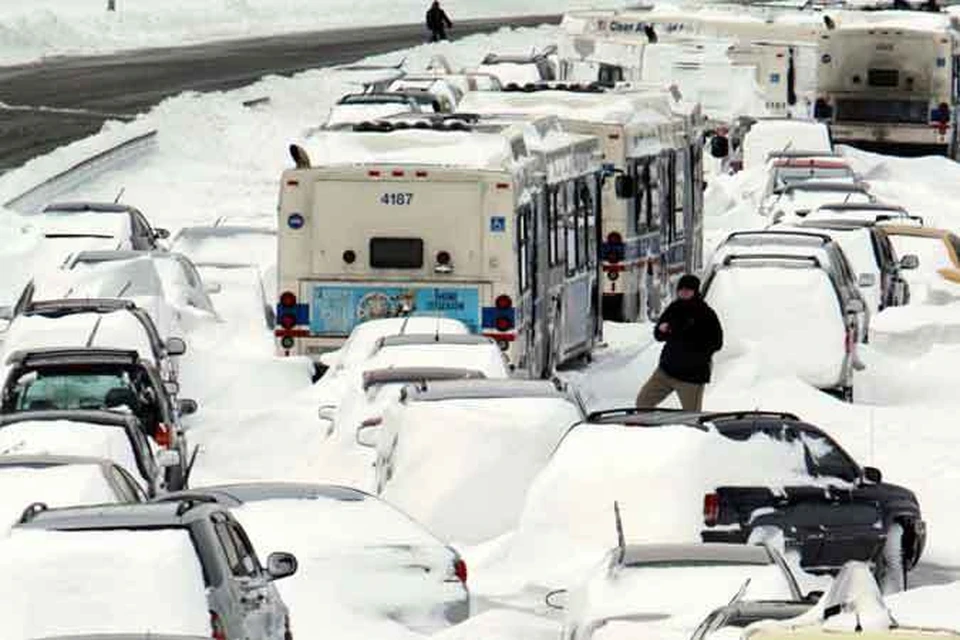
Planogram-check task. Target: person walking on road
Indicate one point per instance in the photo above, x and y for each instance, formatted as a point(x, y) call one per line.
point(692, 334)
point(437, 22)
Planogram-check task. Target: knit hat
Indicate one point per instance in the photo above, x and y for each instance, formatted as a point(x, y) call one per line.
point(689, 281)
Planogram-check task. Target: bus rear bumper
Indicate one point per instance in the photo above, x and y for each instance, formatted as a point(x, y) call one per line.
point(921, 135)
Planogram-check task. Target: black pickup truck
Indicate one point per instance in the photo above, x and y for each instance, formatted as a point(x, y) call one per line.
point(846, 512)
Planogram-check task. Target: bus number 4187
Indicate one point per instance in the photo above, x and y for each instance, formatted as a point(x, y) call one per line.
point(397, 199)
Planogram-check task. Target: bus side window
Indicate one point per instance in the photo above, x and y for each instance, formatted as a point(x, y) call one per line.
point(679, 193)
point(654, 198)
point(570, 229)
point(553, 231)
point(589, 193)
point(523, 247)
point(583, 238)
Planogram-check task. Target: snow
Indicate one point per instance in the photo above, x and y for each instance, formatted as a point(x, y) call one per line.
point(776, 135)
point(55, 486)
point(603, 108)
point(933, 606)
point(115, 330)
point(803, 323)
point(66, 437)
point(508, 440)
point(101, 582)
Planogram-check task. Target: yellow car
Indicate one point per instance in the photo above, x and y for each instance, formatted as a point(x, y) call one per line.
point(816, 632)
point(938, 249)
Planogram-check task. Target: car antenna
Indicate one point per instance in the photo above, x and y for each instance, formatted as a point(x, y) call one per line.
point(119, 195)
point(124, 288)
point(739, 595)
point(406, 318)
point(93, 332)
point(621, 541)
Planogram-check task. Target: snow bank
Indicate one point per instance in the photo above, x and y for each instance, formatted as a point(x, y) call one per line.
point(101, 582)
point(472, 498)
point(56, 486)
point(933, 606)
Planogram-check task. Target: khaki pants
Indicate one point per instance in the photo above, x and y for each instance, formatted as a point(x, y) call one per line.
point(660, 385)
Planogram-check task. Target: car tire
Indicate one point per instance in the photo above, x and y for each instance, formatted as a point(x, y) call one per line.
point(892, 567)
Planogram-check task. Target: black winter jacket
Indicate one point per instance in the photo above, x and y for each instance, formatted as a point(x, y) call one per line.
point(437, 19)
point(694, 336)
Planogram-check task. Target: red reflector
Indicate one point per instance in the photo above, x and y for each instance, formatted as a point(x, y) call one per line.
point(373, 174)
point(614, 238)
point(397, 173)
point(421, 174)
point(460, 570)
point(293, 333)
point(288, 321)
point(500, 337)
point(711, 509)
point(503, 301)
point(503, 324)
point(164, 436)
point(288, 299)
point(503, 185)
point(293, 183)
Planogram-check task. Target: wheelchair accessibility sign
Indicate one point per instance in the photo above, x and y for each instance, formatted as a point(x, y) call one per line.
point(498, 224)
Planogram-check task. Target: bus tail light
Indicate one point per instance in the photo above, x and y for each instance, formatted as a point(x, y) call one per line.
point(503, 323)
point(711, 509)
point(288, 299)
point(460, 570)
point(613, 249)
point(503, 302)
point(288, 321)
point(941, 114)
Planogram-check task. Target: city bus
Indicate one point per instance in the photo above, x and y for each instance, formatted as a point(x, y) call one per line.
point(652, 223)
point(434, 217)
point(889, 82)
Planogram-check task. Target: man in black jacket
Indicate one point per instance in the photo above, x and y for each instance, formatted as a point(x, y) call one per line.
point(692, 334)
point(437, 22)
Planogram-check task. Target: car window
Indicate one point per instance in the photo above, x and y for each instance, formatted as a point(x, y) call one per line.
point(230, 550)
point(955, 243)
point(248, 557)
point(826, 458)
point(128, 487)
point(189, 273)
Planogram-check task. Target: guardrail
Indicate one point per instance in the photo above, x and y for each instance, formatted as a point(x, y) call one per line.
point(36, 197)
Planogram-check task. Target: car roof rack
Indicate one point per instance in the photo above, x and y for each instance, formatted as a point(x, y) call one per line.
point(193, 501)
point(431, 338)
point(570, 87)
point(811, 261)
point(742, 415)
point(392, 375)
point(647, 417)
point(67, 306)
point(54, 355)
point(88, 206)
point(770, 233)
point(826, 185)
point(31, 512)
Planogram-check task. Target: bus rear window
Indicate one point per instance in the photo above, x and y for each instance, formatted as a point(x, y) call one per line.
point(396, 253)
point(883, 78)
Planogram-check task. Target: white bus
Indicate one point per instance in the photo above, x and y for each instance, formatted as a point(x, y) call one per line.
point(652, 222)
point(432, 217)
point(889, 82)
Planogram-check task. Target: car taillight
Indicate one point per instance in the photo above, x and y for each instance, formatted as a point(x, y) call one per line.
point(460, 570)
point(288, 299)
point(503, 301)
point(164, 435)
point(711, 509)
point(217, 630)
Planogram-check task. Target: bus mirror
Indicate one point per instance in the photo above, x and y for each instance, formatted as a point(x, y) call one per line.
point(719, 146)
point(625, 186)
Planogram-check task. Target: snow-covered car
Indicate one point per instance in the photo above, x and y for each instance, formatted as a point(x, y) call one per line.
point(873, 260)
point(369, 108)
point(790, 306)
point(446, 94)
point(768, 136)
point(352, 547)
point(180, 567)
point(127, 224)
point(182, 284)
point(648, 590)
point(872, 213)
point(61, 481)
point(234, 261)
point(784, 172)
point(938, 259)
point(799, 199)
point(114, 436)
point(109, 322)
point(468, 81)
point(507, 429)
point(742, 613)
point(803, 242)
point(68, 379)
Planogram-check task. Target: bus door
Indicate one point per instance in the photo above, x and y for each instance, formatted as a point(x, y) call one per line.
point(540, 353)
point(676, 230)
point(581, 262)
point(527, 286)
point(647, 223)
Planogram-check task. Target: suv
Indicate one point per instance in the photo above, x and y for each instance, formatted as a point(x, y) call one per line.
point(846, 512)
point(142, 236)
point(241, 596)
point(145, 464)
point(100, 379)
point(806, 323)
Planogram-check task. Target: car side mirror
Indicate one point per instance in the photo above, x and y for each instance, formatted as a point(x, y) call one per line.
point(866, 280)
point(719, 146)
point(168, 458)
point(368, 435)
point(187, 407)
point(813, 596)
point(909, 261)
point(172, 387)
point(176, 347)
point(625, 186)
point(281, 565)
point(872, 474)
point(161, 234)
point(855, 306)
point(557, 599)
point(327, 412)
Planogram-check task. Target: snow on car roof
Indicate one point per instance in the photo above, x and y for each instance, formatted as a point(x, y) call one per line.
point(480, 151)
point(66, 437)
point(115, 279)
point(101, 582)
point(118, 329)
point(485, 358)
point(55, 485)
point(341, 114)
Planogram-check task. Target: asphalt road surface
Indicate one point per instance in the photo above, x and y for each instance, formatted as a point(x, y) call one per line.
point(49, 104)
